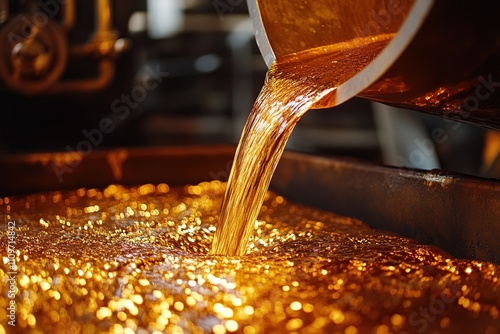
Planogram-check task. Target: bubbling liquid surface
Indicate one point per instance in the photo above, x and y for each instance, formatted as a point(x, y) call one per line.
point(136, 260)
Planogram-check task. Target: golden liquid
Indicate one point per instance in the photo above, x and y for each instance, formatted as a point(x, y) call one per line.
point(293, 86)
point(135, 260)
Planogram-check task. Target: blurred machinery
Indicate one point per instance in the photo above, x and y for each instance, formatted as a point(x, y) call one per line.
point(86, 75)
point(53, 88)
point(35, 48)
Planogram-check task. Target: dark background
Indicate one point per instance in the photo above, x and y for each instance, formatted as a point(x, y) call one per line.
point(215, 73)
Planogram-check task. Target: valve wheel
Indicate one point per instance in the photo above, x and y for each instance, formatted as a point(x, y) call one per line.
point(34, 53)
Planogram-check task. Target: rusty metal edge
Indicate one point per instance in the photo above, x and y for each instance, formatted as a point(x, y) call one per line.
point(456, 213)
point(30, 173)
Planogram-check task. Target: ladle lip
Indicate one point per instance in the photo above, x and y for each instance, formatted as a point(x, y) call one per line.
point(260, 33)
point(389, 54)
point(371, 72)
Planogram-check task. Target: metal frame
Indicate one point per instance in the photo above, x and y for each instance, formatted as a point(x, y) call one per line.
point(457, 213)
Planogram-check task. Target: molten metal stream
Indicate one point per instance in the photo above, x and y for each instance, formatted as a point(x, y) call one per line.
point(294, 85)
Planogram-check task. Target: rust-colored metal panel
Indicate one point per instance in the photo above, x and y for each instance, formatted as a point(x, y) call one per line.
point(27, 173)
point(459, 214)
